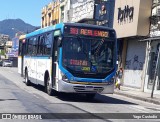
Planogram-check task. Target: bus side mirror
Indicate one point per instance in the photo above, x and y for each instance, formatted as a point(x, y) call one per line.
point(59, 42)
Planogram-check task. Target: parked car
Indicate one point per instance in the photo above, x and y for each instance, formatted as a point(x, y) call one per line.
point(7, 63)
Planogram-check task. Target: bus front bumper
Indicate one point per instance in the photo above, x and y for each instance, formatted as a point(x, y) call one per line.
point(80, 87)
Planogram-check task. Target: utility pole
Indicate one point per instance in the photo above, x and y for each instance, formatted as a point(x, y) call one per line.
point(155, 74)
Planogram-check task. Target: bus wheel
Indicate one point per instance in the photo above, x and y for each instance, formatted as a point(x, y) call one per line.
point(27, 81)
point(90, 96)
point(48, 87)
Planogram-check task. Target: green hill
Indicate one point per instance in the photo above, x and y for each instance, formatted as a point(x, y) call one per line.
point(12, 26)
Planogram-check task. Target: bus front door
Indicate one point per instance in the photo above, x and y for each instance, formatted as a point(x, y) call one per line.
point(54, 61)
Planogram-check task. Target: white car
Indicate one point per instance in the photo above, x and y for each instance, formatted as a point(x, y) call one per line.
point(7, 63)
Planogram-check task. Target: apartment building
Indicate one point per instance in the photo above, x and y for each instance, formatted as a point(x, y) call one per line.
point(50, 14)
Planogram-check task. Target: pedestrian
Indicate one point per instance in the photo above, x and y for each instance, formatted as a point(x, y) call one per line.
point(120, 73)
point(118, 78)
point(118, 83)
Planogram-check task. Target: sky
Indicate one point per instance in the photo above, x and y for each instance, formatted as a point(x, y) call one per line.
point(27, 10)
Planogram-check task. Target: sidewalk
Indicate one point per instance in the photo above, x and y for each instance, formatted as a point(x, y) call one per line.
point(139, 95)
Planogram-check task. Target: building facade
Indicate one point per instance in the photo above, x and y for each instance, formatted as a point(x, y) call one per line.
point(64, 10)
point(79, 10)
point(8, 48)
point(50, 14)
point(131, 22)
point(84, 11)
point(152, 75)
point(92, 12)
point(3, 42)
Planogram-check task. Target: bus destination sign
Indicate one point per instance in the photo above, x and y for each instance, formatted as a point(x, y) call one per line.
point(86, 32)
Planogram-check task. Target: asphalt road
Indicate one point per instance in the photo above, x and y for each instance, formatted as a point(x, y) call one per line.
point(16, 97)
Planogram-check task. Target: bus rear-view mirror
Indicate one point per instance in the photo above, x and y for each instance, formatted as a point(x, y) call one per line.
point(59, 41)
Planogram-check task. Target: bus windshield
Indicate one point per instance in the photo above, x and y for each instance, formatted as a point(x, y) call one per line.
point(88, 56)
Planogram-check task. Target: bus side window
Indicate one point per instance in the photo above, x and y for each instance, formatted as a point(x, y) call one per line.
point(28, 47)
point(20, 48)
point(48, 43)
point(40, 45)
point(35, 41)
point(32, 46)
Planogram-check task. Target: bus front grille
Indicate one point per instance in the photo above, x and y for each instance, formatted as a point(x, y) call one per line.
point(88, 89)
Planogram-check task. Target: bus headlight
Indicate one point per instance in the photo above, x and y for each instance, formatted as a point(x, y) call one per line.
point(64, 78)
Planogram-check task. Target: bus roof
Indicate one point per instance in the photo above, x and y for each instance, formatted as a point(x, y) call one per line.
point(61, 25)
point(44, 30)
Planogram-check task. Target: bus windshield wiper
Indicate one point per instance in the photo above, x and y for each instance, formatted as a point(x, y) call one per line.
point(84, 51)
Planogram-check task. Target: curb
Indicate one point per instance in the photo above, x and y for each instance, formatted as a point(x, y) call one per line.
point(151, 100)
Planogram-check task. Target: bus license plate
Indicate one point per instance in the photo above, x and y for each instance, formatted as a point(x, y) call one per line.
point(89, 88)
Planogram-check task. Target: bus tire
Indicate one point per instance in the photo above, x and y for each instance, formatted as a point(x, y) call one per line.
point(48, 87)
point(27, 81)
point(90, 96)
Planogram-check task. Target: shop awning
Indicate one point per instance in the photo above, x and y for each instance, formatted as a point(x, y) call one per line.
point(157, 38)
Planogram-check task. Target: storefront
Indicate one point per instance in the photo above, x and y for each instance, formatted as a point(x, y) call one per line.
point(131, 22)
point(152, 73)
point(134, 64)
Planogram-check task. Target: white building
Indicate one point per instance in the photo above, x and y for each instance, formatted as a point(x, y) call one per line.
point(64, 10)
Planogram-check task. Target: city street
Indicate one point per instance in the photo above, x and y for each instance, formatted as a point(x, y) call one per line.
point(81, 46)
point(16, 97)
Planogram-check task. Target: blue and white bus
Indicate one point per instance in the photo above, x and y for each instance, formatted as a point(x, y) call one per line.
point(70, 57)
